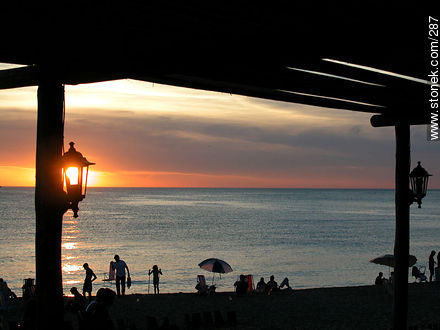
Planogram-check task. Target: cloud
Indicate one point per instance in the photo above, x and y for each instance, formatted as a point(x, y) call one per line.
point(179, 143)
point(17, 137)
point(149, 135)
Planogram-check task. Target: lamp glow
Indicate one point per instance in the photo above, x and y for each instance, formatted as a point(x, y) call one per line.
point(72, 175)
point(75, 170)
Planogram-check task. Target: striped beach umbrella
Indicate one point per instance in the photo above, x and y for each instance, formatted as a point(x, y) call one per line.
point(215, 265)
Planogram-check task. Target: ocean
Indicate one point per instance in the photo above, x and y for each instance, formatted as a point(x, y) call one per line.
point(315, 237)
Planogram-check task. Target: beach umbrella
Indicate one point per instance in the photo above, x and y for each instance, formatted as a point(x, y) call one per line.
point(215, 265)
point(388, 260)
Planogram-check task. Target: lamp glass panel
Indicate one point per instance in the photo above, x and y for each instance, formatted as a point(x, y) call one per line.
point(73, 175)
point(84, 180)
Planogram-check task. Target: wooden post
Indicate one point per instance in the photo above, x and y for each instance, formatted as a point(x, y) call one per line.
point(401, 243)
point(49, 205)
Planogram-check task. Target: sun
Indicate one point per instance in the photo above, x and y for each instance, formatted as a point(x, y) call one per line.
point(93, 179)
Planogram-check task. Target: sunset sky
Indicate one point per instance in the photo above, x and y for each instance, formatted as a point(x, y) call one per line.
point(148, 135)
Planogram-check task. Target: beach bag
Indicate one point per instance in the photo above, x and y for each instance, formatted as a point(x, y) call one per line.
point(129, 282)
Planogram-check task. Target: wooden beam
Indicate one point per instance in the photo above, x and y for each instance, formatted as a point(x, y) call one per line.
point(255, 91)
point(31, 75)
point(18, 77)
point(267, 84)
point(49, 205)
point(383, 120)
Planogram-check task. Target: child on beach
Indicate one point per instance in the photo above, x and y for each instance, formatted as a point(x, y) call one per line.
point(156, 271)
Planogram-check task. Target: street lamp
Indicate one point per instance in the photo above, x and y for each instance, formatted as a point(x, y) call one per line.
point(75, 172)
point(419, 183)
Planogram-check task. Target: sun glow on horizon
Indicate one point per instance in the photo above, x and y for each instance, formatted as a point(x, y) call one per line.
point(173, 179)
point(94, 179)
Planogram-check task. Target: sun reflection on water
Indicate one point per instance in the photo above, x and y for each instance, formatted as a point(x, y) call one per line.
point(69, 249)
point(69, 245)
point(69, 268)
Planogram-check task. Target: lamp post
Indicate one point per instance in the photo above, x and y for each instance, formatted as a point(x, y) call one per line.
point(54, 194)
point(419, 184)
point(75, 172)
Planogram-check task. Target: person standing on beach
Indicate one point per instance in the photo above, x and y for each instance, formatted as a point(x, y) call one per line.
point(437, 269)
point(431, 264)
point(241, 286)
point(156, 271)
point(120, 266)
point(90, 277)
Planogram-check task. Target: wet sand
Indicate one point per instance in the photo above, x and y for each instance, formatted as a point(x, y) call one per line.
point(362, 307)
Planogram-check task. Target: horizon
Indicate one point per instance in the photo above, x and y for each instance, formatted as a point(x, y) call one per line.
point(249, 188)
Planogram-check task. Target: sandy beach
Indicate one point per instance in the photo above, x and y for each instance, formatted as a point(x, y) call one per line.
point(361, 307)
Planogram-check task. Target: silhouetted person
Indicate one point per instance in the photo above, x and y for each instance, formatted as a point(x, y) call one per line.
point(120, 266)
point(156, 271)
point(285, 283)
point(6, 293)
point(241, 286)
point(272, 286)
point(96, 316)
point(78, 303)
point(437, 269)
point(90, 277)
point(431, 264)
point(261, 286)
point(379, 279)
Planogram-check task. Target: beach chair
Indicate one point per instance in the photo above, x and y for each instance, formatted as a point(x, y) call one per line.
point(202, 288)
point(111, 276)
point(250, 281)
point(419, 274)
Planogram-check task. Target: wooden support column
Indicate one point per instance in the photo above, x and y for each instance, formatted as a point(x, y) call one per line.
point(49, 205)
point(401, 243)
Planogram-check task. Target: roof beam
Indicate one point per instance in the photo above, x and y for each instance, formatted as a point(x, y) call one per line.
point(254, 91)
point(384, 120)
point(18, 77)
